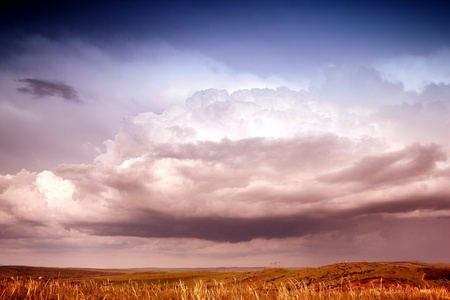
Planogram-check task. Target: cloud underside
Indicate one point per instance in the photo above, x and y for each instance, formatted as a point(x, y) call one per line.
point(234, 230)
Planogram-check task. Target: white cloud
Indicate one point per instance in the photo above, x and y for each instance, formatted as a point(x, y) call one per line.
point(55, 189)
point(415, 72)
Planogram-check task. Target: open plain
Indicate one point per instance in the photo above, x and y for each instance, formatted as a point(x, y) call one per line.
point(382, 280)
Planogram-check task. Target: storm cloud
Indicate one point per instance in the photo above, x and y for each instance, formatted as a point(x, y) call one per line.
point(238, 168)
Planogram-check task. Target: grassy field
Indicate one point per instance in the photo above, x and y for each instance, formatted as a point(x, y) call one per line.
point(387, 280)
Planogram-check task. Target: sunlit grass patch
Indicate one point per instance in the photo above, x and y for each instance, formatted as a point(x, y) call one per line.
point(29, 288)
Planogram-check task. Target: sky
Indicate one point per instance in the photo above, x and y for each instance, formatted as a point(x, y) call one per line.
point(223, 133)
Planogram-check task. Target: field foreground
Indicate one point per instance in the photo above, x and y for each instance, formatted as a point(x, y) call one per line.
point(412, 280)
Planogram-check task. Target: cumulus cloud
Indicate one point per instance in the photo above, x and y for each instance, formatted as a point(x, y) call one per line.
point(42, 88)
point(254, 167)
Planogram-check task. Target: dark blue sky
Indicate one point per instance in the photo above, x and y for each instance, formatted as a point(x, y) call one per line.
point(257, 36)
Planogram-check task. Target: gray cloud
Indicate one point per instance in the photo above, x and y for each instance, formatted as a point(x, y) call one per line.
point(43, 88)
point(153, 224)
point(157, 225)
point(304, 152)
point(436, 203)
point(391, 168)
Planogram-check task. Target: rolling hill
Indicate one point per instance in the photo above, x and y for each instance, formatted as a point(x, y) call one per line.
point(352, 275)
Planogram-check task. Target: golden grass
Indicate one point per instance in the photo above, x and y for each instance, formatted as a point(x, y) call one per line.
point(29, 288)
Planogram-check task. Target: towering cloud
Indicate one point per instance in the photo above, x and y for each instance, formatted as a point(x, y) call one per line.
point(252, 167)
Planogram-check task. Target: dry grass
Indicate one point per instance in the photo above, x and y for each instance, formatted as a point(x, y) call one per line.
point(28, 288)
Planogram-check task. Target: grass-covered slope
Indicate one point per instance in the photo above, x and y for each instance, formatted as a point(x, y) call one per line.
point(354, 275)
point(336, 275)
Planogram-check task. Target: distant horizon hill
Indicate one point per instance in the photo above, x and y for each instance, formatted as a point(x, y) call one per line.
point(24, 270)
